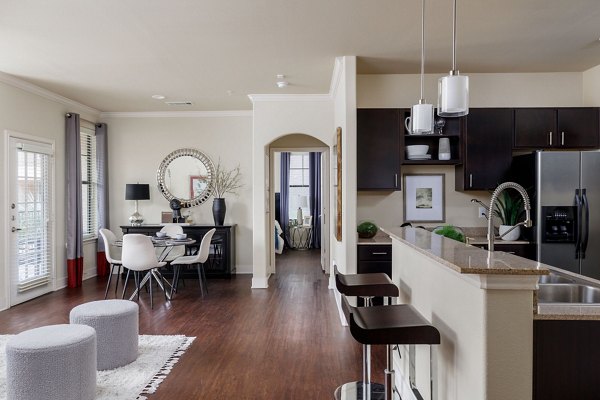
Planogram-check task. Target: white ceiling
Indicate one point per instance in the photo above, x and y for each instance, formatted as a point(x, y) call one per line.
point(114, 54)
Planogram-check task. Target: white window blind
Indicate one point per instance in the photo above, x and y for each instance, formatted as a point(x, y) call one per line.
point(34, 238)
point(299, 190)
point(89, 181)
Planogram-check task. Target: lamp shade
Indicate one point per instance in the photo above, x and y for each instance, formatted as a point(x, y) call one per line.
point(137, 191)
point(453, 96)
point(302, 201)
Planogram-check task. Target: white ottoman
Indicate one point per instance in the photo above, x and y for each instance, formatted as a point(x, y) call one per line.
point(116, 323)
point(52, 362)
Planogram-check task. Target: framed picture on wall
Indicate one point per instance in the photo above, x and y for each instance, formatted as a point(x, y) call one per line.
point(424, 198)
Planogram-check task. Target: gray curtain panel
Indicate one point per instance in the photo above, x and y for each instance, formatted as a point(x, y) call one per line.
point(285, 194)
point(102, 267)
point(314, 191)
point(73, 210)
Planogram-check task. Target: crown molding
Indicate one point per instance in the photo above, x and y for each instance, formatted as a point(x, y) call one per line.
point(289, 97)
point(177, 114)
point(45, 93)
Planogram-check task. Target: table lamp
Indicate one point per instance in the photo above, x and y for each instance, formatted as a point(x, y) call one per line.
point(137, 191)
point(302, 202)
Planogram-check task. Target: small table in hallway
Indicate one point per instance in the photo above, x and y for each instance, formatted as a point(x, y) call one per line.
point(299, 237)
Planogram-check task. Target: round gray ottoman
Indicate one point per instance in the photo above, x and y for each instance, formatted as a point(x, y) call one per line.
point(52, 362)
point(116, 324)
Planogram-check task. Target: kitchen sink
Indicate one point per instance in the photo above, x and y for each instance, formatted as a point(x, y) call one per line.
point(554, 278)
point(568, 293)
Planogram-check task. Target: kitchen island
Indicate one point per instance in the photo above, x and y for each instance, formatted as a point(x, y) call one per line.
point(483, 305)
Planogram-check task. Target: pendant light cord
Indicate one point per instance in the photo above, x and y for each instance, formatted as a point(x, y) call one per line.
point(454, 38)
point(422, 49)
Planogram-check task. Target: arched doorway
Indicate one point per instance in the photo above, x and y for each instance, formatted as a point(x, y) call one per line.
point(298, 144)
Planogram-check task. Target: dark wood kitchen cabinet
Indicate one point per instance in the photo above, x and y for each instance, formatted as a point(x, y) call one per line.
point(487, 149)
point(374, 258)
point(378, 148)
point(556, 128)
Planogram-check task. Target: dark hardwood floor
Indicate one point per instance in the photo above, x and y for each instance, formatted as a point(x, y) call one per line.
point(284, 342)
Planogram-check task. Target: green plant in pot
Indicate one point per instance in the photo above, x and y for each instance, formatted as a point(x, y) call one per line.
point(510, 210)
point(450, 232)
point(367, 230)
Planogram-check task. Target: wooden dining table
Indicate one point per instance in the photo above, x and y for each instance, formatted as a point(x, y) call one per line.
point(167, 244)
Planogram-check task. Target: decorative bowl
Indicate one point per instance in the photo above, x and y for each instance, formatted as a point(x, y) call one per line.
point(180, 236)
point(161, 234)
point(417, 150)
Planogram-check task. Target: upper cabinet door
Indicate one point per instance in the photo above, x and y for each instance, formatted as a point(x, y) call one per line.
point(535, 128)
point(578, 127)
point(378, 149)
point(488, 149)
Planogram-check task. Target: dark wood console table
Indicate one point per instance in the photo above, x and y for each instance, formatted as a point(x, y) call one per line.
point(221, 263)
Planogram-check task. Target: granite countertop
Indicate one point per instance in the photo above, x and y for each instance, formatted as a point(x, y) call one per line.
point(463, 258)
point(379, 238)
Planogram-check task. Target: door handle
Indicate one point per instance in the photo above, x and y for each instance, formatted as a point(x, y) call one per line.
point(15, 229)
point(578, 227)
point(550, 138)
point(562, 138)
point(396, 181)
point(586, 229)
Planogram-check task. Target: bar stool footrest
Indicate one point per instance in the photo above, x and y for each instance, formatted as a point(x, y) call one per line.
point(354, 391)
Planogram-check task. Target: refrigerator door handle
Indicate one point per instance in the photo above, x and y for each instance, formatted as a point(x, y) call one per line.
point(586, 227)
point(578, 227)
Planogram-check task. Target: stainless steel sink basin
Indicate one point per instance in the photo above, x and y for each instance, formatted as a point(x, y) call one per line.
point(568, 293)
point(553, 278)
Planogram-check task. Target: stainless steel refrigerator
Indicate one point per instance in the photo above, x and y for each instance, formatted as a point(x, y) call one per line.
point(566, 196)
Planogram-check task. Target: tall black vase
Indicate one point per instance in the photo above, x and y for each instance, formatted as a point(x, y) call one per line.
point(218, 210)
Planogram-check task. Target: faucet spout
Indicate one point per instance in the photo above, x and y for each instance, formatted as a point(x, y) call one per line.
point(526, 203)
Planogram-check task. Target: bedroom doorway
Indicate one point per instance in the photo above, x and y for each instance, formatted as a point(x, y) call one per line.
point(300, 201)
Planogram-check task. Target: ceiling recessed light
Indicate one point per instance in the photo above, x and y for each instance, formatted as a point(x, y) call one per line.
point(158, 97)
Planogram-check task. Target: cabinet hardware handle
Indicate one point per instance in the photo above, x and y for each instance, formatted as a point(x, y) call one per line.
point(380, 253)
point(470, 180)
point(396, 180)
point(550, 138)
point(15, 229)
point(562, 138)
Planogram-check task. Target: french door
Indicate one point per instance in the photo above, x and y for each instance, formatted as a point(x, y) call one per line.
point(31, 205)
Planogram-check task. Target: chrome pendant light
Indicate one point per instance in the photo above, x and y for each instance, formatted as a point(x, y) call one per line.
point(421, 119)
point(453, 89)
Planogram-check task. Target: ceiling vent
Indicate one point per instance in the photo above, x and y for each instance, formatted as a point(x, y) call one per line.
point(179, 103)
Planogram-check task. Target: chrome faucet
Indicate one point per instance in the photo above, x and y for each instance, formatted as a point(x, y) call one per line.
point(502, 187)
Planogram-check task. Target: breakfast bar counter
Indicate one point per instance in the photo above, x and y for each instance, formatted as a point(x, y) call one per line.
point(482, 304)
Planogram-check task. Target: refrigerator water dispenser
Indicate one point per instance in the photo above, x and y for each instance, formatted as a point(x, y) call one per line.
point(559, 224)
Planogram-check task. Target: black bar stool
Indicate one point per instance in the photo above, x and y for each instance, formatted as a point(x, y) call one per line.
point(365, 286)
point(398, 324)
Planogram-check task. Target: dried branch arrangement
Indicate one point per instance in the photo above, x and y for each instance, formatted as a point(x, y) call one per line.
point(226, 181)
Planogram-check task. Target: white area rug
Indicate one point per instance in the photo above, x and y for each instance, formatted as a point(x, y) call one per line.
point(157, 355)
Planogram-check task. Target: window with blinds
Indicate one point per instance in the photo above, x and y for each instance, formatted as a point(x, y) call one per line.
point(89, 181)
point(299, 190)
point(34, 250)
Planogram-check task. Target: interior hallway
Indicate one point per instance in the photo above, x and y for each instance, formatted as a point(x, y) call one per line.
point(285, 342)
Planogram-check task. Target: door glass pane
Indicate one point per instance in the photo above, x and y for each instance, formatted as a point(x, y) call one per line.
point(34, 249)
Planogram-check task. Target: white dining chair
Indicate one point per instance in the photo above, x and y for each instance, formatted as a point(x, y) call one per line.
point(113, 257)
point(138, 256)
point(172, 230)
point(199, 259)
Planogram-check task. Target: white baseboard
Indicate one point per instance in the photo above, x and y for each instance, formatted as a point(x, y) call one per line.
point(260, 282)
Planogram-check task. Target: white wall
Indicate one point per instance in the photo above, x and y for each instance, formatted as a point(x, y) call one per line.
point(138, 144)
point(591, 87)
point(486, 90)
point(275, 117)
point(343, 253)
point(25, 112)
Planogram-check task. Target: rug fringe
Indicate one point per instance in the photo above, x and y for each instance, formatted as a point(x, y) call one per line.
point(165, 369)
